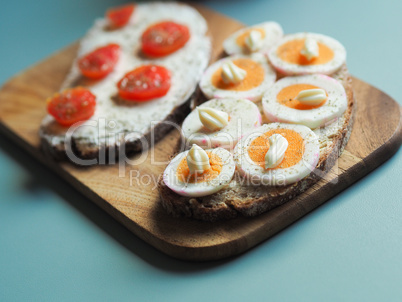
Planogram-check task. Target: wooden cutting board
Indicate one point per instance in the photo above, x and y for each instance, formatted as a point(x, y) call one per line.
point(376, 136)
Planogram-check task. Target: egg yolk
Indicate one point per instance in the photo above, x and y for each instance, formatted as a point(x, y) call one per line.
point(293, 154)
point(183, 172)
point(290, 52)
point(254, 77)
point(287, 97)
point(241, 39)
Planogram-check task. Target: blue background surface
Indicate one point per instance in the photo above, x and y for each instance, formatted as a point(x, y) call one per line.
point(57, 246)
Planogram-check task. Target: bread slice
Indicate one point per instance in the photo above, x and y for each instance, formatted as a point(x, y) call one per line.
point(122, 126)
point(240, 199)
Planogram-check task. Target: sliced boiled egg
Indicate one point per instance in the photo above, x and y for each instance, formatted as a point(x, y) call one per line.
point(239, 76)
point(220, 123)
point(295, 155)
point(310, 100)
point(256, 38)
point(205, 179)
point(307, 53)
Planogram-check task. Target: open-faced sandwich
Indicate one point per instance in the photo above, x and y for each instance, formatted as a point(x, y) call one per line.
point(135, 74)
point(280, 114)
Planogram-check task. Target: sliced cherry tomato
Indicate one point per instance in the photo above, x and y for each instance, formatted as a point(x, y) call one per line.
point(164, 38)
point(72, 106)
point(144, 83)
point(119, 16)
point(100, 62)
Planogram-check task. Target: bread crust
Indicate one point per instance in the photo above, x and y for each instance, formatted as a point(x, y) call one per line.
point(248, 200)
point(84, 149)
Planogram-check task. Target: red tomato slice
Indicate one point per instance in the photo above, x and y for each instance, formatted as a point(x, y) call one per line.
point(72, 106)
point(144, 83)
point(164, 38)
point(119, 16)
point(100, 62)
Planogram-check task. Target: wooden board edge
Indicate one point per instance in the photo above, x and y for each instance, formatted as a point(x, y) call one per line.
point(67, 48)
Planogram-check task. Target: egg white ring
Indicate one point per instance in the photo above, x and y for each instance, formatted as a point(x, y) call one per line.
point(295, 69)
point(254, 94)
point(333, 108)
point(202, 188)
point(244, 117)
point(273, 33)
point(277, 177)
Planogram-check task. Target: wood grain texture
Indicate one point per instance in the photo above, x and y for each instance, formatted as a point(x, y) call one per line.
point(376, 136)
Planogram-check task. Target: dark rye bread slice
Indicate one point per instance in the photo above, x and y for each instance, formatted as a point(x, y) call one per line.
point(241, 199)
point(121, 127)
